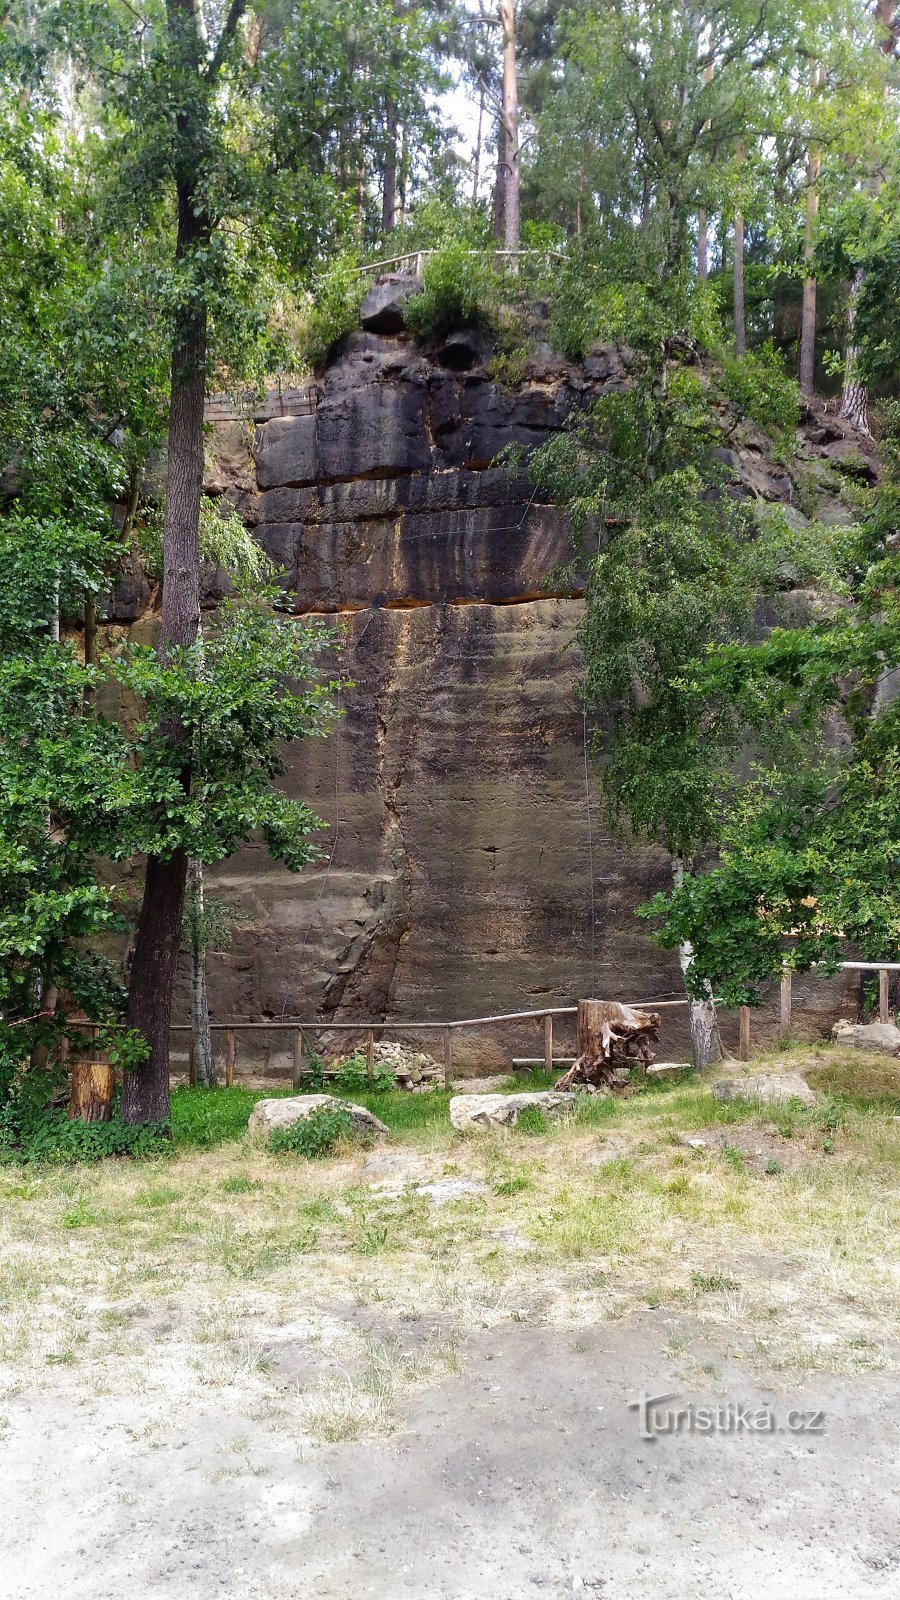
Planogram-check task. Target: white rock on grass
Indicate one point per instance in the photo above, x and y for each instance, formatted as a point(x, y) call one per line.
point(881, 1036)
point(471, 1113)
point(267, 1115)
point(769, 1088)
point(444, 1189)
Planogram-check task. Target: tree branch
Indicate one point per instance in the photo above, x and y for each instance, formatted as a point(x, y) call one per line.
point(235, 12)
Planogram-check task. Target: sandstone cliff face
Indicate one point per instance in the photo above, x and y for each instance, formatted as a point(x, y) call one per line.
point(466, 870)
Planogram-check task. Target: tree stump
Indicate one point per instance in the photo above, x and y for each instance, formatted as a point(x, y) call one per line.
point(93, 1085)
point(609, 1037)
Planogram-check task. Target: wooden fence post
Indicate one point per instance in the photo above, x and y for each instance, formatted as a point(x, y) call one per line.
point(297, 1078)
point(448, 1057)
point(785, 1002)
point(229, 1057)
point(370, 1053)
point(548, 1044)
point(883, 995)
point(744, 1045)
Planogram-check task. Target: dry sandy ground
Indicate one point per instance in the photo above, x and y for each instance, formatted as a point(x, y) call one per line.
point(237, 1375)
point(524, 1475)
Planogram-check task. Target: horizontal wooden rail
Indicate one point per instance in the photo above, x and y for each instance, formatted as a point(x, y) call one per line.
point(418, 256)
point(298, 1025)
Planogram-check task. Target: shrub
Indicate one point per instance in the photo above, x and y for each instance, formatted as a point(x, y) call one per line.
point(353, 1077)
point(314, 1136)
point(337, 297)
point(760, 390)
point(588, 305)
point(459, 285)
point(54, 1139)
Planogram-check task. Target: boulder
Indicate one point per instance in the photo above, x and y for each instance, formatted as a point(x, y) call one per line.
point(475, 1112)
point(769, 1088)
point(286, 452)
point(383, 310)
point(267, 1115)
point(881, 1036)
point(462, 349)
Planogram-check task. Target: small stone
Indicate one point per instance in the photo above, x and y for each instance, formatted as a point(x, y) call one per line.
point(444, 1189)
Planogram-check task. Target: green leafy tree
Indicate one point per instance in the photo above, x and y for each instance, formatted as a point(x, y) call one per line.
point(810, 850)
point(671, 563)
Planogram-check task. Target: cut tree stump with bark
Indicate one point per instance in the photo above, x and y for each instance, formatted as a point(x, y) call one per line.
point(610, 1036)
point(91, 1096)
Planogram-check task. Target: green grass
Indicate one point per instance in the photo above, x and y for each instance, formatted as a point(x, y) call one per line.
point(204, 1118)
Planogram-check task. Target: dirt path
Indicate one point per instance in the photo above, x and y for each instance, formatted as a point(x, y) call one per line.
point(523, 1477)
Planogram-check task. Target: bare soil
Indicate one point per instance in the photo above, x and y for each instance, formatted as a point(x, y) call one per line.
point(523, 1476)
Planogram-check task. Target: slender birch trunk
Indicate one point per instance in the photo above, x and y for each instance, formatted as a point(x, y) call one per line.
point(855, 396)
point(706, 1046)
point(204, 1061)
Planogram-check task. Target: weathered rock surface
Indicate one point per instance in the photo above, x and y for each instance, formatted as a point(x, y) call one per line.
point(383, 310)
point(768, 1088)
point(267, 1115)
point(881, 1036)
point(476, 1112)
point(466, 870)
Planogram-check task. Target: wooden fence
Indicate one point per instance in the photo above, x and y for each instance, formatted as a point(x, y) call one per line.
point(298, 1027)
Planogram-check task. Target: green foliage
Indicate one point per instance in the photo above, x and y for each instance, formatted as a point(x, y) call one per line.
point(810, 850)
point(806, 863)
point(674, 565)
point(313, 1080)
point(607, 300)
point(243, 692)
point(460, 287)
point(353, 1076)
point(758, 390)
point(336, 297)
point(34, 1126)
point(320, 1134)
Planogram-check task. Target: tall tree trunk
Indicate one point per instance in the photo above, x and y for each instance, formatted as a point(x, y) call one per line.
point(706, 1046)
point(498, 206)
point(855, 396)
point(808, 315)
point(476, 163)
point(402, 177)
point(740, 328)
point(702, 231)
point(510, 119)
point(145, 1093)
point(389, 187)
point(204, 1062)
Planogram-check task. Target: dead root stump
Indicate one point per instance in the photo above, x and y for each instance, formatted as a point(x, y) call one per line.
point(610, 1036)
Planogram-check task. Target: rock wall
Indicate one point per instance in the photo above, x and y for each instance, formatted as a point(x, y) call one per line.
point(466, 870)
